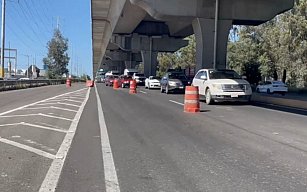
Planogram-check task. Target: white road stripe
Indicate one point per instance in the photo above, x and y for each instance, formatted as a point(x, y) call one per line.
point(43, 127)
point(64, 109)
point(55, 117)
point(10, 116)
point(143, 92)
point(176, 102)
point(73, 100)
point(53, 175)
point(51, 107)
point(32, 104)
point(68, 104)
point(12, 124)
point(110, 174)
point(41, 104)
point(27, 148)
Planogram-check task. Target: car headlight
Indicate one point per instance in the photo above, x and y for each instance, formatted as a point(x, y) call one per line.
point(217, 86)
point(171, 83)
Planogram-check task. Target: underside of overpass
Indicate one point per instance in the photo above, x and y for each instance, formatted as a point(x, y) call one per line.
point(126, 32)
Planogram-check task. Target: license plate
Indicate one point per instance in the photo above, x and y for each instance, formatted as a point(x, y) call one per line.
point(181, 87)
point(234, 95)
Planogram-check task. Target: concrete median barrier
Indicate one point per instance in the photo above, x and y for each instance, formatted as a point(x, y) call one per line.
point(280, 101)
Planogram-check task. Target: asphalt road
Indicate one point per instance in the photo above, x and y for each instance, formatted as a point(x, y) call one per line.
point(146, 143)
point(34, 126)
point(232, 147)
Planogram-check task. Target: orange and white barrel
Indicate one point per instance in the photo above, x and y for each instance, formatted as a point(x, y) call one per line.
point(132, 87)
point(191, 100)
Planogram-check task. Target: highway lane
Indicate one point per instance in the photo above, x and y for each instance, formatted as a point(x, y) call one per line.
point(158, 147)
point(34, 126)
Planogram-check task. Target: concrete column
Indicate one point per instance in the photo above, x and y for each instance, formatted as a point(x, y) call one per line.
point(150, 62)
point(204, 34)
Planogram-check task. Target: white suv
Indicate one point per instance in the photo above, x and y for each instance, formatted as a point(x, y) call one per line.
point(222, 85)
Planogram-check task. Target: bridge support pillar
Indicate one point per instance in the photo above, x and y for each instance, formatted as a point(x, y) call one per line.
point(150, 62)
point(204, 30)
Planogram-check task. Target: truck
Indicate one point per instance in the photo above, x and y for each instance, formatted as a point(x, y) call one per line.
point(130, 72)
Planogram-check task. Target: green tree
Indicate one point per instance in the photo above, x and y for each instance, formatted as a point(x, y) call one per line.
point(57, 58)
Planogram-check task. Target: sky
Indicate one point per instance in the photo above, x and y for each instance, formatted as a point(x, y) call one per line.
point(30, 25)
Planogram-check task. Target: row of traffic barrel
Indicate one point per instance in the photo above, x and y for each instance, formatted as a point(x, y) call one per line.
point(132, 86)
point(89, 83)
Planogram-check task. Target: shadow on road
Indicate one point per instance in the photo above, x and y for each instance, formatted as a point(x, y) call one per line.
point(281, 108)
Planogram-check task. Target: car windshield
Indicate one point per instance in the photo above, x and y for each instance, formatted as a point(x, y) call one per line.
point(177, 76)
point(158, 78)
point(223, 74)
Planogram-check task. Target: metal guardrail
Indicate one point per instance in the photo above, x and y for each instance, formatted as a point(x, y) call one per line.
point(6, 85)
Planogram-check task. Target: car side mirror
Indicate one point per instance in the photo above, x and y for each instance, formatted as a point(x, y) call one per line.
point(244, 77)
point(203, 77)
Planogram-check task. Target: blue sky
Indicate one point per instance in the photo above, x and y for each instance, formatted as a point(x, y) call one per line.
point(30, 25)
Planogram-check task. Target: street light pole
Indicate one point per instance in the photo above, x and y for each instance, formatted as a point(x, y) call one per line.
point(216, 33)
point(3, 38)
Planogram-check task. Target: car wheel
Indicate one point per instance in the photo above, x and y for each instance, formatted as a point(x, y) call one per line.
point(166, 90)
point(283, 94)
point(269, 91)
point(209, 100)
point(161, 89)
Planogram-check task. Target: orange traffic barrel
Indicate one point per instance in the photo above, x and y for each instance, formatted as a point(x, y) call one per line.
point(89, 83)
point(132, 87)
point(115, 84)
point(191, 100)
point(68, 82)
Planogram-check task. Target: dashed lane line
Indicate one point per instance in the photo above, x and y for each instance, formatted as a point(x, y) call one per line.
point(176, 102)
point(111, 180)
point(52, 177)
point(27, 148)
point(16, 109)
point(11, 124)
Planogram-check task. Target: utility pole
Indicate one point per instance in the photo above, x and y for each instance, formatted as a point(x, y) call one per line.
point(216, 33)
point(3, 38)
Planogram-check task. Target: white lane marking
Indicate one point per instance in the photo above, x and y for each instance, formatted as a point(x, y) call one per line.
point(73, 100)
point(64, 109)
point(43, 127)
point(68, 104)
point(39, 114)
point(70, 97)
point(110, 174)
point(16, 109)
point(53, 175)
point(50, 107)
point(12, 124)
point(10, 116)
point(55, 117)
point(27, 148)
point(35, 108)
point(41, 104)
point(143, 92)
point(176, 102)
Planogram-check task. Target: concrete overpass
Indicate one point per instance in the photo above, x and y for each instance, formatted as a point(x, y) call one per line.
point(126, 32)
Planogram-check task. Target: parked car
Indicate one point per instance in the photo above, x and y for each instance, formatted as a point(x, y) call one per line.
point(272, 87)
point(152, 82)
point(222, 85)
point(110, 79)
point(124, 81)
point(139, 78)
point(174, 81)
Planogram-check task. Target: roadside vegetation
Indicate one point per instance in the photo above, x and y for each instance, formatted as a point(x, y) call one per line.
point(274, 50)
